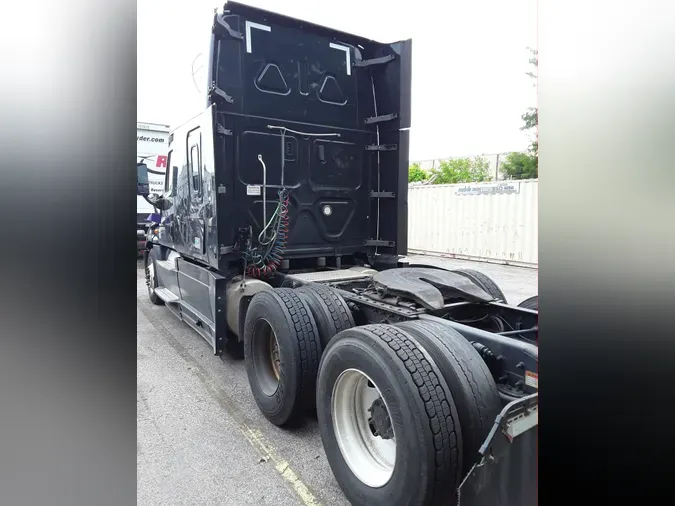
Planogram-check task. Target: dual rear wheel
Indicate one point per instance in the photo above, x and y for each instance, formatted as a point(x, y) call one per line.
point(402, 409)
point(282, 350)
point(388, 423)
point(285, 332)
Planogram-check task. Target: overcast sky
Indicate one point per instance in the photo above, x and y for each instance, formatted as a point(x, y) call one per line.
point(469, 61)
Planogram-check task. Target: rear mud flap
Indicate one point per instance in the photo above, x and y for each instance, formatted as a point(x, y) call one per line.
point(506, 473)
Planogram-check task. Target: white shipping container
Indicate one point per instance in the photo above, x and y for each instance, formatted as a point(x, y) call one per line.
point(495, 222)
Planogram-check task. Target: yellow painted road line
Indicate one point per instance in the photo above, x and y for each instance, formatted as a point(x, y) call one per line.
point(253, 436)
point(258, 440)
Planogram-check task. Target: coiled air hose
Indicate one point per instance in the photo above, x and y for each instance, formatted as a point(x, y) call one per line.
point(265, 259)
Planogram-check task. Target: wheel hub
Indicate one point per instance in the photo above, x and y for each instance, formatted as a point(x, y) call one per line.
point(274, 355)
point(380, 422)
point(266, 357)
point(363, 428)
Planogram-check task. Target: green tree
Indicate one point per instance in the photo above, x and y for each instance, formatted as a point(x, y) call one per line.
point(531, 117)
point(462, 170)
point(526, 165)
point(417, 173)
point(520, 166)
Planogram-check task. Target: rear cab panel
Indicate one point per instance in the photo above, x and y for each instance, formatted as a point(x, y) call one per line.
point(298, 95)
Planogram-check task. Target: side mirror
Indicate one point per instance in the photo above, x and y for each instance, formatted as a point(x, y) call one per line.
point(142, 182)
point(159, 202)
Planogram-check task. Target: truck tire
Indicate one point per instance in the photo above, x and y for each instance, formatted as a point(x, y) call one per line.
point(471, 385)
point(531, 303)
point(151, 281)
point(330, 311)
point(484, 282)
point(386, 420)
point(282, 350)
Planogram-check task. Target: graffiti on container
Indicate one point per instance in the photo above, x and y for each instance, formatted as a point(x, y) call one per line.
point(489, 189)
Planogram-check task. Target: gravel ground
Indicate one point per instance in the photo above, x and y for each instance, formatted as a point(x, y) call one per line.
point(201, 438)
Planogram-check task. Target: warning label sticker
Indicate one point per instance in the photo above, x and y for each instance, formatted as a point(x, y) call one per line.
point(532, 379)
point(253, 189)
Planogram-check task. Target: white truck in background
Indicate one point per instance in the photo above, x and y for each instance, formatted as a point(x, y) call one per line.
point(152, 146)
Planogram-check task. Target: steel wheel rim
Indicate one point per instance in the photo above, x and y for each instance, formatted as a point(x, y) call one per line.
point(274, 355)
point(370, 457)
point(151, 278)
point(266, 362)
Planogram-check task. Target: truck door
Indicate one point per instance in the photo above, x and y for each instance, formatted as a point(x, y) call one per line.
point(196, 231)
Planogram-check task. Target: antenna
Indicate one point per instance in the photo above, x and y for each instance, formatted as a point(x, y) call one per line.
point(195, 71)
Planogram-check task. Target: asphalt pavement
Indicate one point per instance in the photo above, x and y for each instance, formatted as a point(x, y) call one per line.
point(201, 438)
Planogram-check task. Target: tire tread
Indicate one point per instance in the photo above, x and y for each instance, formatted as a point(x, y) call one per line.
point(338, 315)
point(307, 339)
point(531, 303)
point(431, 389)
point(477, 377)
point(484, 282)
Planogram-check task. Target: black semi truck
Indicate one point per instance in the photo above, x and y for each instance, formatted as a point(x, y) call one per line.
point(284, 226)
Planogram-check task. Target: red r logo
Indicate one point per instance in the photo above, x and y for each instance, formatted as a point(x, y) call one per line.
point(161, 161)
